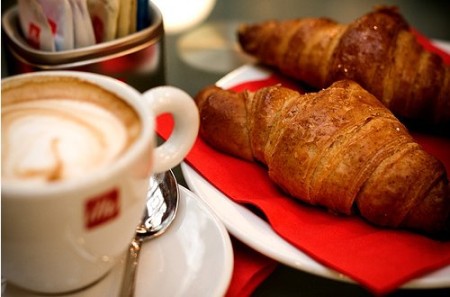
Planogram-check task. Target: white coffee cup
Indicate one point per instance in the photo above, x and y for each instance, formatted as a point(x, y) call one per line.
point(65, 230)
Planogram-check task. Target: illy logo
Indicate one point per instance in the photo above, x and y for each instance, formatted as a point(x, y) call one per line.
point(101, 209)
point(34, 35)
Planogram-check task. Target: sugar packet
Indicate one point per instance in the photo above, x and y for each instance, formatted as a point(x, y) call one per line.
point(82, 25)
point(104, 16)
point(127, 18)
point(143, 17)
point(34, 25)
point(59, 17)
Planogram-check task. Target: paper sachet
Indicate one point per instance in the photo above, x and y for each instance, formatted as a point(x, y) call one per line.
point(35, 26)
point(58, 25)
point(104, 15)
point(59, 17)
point(82, 25)
point(125, 24)
point(143, 15)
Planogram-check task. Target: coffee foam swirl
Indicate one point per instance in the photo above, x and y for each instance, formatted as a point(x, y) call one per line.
point(59, 128)
point(49, 140)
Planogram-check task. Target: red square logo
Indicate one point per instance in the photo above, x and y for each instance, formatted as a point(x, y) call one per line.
point(101, 209)
point(34, 35)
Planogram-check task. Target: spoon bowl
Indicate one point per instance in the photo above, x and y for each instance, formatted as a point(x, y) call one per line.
point(161, 205)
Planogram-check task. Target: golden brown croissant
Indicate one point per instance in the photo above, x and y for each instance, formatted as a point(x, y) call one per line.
point(377, 50)
point(339, 148)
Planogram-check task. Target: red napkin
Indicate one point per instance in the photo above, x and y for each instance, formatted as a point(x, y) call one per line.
point(380, 260)
point(250, 270)
point(429, 46)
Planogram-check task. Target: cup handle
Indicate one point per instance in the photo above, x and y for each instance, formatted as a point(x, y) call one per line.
point(168, 99)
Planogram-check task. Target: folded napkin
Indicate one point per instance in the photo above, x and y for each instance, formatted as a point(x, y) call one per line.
point(430, 46)
point(250, 270)
point(380, 260)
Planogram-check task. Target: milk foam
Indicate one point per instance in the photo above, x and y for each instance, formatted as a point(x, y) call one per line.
point(58, 139)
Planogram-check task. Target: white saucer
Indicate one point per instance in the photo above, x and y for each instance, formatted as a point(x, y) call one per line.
point(193, 258)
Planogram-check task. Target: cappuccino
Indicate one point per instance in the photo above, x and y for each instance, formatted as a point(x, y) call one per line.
point(78, 149)
point(59, 128)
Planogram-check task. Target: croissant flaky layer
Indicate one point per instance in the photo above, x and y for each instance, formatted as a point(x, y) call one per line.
point(377, 50)
point(339, 148)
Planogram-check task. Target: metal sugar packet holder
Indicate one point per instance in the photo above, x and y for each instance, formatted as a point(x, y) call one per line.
point(137, 59)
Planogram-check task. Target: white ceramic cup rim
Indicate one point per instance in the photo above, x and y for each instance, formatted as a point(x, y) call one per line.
point(124, 92)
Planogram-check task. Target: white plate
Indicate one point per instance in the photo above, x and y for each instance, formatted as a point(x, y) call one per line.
point(193, 258)
point(257, 233)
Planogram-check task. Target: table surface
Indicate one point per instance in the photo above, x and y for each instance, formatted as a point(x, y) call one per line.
point(201, 55)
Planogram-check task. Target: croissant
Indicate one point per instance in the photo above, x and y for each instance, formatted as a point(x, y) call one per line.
point(378, 51)
point(339, 148)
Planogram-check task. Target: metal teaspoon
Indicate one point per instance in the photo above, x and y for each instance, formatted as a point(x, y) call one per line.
point(161, 208)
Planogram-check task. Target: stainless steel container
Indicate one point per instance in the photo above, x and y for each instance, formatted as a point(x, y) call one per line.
point(137, 59)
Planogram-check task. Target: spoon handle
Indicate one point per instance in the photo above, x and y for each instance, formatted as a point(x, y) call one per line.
point(131, 263)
